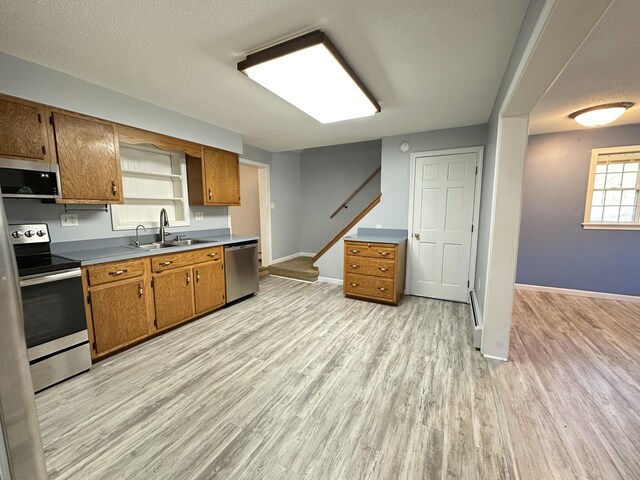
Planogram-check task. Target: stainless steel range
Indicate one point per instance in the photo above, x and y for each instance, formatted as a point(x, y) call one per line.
point(53, 305)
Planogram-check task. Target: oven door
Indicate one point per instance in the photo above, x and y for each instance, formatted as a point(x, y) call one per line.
point(53, 306)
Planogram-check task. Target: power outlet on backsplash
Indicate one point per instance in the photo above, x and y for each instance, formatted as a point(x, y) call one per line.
point(68, 220)
point(199, 216)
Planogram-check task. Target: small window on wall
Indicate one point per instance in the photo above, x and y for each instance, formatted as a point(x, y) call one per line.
point(613, 197)
point(152, 179)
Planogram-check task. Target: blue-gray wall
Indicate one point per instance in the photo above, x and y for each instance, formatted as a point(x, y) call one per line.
point(328, 175)
point(285, 196)
point(555, 250)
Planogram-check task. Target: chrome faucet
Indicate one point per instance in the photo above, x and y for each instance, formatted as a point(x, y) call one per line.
point(136, 242)
point(164, 222)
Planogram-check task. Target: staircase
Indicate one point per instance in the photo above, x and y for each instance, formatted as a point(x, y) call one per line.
point(298, 268)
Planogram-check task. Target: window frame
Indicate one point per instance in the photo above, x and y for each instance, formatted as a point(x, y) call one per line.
point(587, 224)
point(180, 165)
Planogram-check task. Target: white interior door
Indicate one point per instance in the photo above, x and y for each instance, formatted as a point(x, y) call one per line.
point(443, 200)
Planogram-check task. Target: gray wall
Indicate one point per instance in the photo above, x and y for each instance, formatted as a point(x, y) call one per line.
point(285, 195)
point(249, 152)
point(328, 175)
point(488, 176)
point(24, 79)
point(554, 249)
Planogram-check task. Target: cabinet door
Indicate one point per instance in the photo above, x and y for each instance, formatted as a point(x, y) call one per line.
point(173, 294)
point(209, 286)
point(119, 314)
point(89, 159)
point(23, 132)
point(221, 177)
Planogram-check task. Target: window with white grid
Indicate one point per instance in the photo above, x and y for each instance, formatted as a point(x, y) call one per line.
point(613, 197)
point(152, 179)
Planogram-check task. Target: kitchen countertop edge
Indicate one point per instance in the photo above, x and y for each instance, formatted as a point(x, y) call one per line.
point(376, 238)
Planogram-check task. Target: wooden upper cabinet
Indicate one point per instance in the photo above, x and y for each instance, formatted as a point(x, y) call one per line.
point(214, 179)
point(119, 314)
point(209, 285)
point(23, 131)
point(89, 159)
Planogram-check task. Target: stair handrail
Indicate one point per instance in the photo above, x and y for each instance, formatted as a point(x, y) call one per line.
point(355, 192)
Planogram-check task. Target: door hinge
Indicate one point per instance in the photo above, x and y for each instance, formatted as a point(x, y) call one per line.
point(151, 283)
point(89, 298)
point(51, 119)
point(468, 283)
point(39, 118)
point(93, 345)
point(44, 150)
point(471, 228)
point(476, 170)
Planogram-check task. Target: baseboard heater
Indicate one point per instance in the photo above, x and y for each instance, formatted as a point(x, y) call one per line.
point(476, 321)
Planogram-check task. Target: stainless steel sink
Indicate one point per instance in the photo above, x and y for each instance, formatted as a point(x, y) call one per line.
point(175, 243)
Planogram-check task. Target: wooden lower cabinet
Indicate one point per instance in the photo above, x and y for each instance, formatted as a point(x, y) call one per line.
point(374, 271)
point(119, 314)
point(209, 285)
point(173, 294)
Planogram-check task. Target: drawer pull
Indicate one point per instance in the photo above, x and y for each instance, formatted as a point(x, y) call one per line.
point(382, 269)
point(118, 272)
point(140, 291)
point(210, 194)
point(212, 254)
point(164, 264)
point(355, 266)
point(355, 284)
point(188, 278)
point(382, 289)
point(355, 251)
point(384, 254)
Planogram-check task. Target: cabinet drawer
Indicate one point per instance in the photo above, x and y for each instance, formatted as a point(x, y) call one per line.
point(377, 250)
point(369, 266)
point(367, 286)
point(160, 263)
point(114, 271)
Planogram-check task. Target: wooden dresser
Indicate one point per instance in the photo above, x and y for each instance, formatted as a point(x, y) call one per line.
point(374, 271)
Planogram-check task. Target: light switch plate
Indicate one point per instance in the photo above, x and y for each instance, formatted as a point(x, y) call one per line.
point(68, 220)
point(199, 216)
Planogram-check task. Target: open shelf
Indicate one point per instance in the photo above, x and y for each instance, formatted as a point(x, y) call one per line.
point(150, 174)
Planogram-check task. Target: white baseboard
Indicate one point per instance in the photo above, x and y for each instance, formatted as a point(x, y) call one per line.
point(579, 293)
point(335, 281)
point(307, 254)
point(288, 257)
point(491, 357)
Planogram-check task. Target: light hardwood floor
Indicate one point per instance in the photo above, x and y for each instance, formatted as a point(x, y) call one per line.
point(571, 390)
point(297, 382)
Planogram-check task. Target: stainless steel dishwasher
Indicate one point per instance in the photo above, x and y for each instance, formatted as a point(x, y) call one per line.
point(241, 267)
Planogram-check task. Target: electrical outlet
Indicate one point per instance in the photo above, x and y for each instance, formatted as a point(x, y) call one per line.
point(68, 220)
point(378, 226)
point(199, 216)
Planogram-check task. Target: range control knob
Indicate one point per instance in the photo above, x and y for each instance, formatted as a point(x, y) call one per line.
point(29, 233)
point(41, 233)
point(16, 234)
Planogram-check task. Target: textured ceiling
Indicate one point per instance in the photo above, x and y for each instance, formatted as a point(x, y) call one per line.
point(430, 63)
point(605, 69)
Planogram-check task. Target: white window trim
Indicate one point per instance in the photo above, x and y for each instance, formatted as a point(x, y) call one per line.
point(184, 188)
point(587, 224)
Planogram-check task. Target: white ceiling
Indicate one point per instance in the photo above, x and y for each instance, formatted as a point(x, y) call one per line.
point(605, 69)
point(430, 63)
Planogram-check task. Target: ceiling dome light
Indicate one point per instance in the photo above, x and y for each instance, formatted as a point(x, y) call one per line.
point(600, 115)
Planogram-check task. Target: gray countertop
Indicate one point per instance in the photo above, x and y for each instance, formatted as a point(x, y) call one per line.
point(91, 256)
point(378, 235)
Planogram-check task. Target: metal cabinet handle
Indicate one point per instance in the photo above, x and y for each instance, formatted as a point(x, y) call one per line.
point(384, 254)
point(164, 264)
point(197, 276)
point(382, 289)
point(355, 284)
point(382, 269)
point(212, 254)
point(188, 278)
point(114, 188)
point(355, 251)
point(118, 272)
point(355, 266)
point(210, 194)
point(140, 291)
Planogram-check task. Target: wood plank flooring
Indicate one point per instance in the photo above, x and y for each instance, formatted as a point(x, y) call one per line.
point(571, 390)
point(298, 383)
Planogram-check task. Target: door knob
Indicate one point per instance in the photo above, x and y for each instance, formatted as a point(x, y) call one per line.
point(417, 235)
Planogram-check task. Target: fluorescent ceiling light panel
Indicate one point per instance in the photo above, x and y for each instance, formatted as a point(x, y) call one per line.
point(600, 115)
point(309, 73)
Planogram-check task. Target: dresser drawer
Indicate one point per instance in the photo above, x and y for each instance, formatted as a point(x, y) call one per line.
point(376, 250)
point(369, 266)
point(114, 271)
point(160, 263)
point(367, 286)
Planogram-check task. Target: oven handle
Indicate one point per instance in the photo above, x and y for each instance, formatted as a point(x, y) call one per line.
point(48, 278)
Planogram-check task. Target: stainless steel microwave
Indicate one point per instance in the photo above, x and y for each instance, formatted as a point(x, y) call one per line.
point(26, 179)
